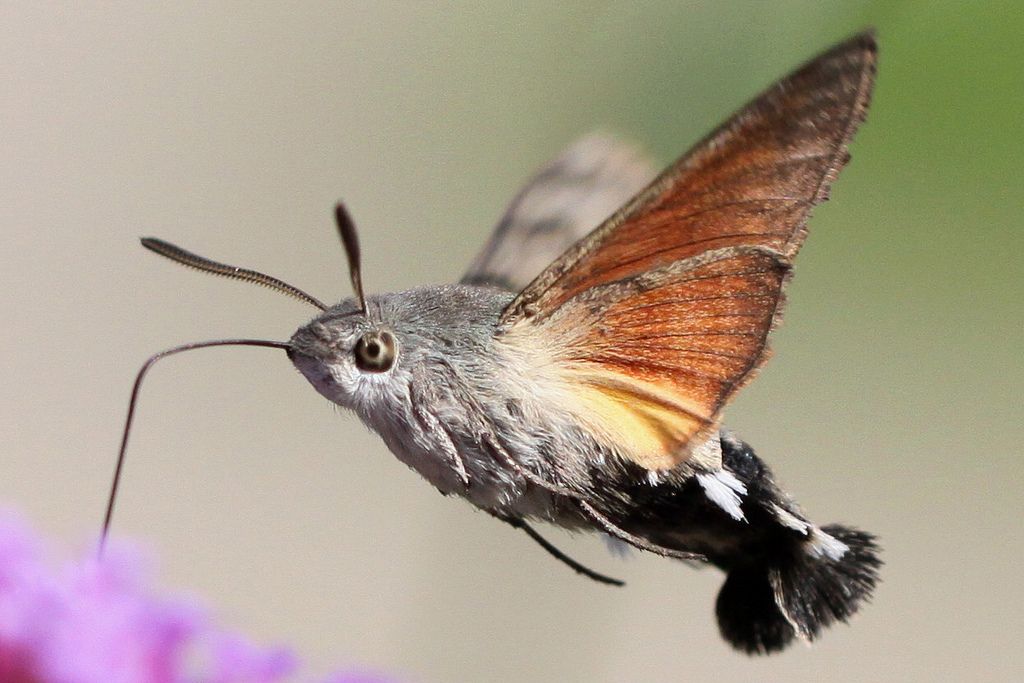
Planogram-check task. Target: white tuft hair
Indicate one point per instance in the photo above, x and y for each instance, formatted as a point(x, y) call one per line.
point(724, 490)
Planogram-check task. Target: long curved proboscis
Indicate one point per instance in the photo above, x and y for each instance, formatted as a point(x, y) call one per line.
point(187, 258)
point(112, 497)
point(350, 240)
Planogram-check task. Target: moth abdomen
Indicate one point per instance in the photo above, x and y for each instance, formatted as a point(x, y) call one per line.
point(786, 578)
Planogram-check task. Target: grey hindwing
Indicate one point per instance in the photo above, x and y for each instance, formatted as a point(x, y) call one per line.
point(563, 202)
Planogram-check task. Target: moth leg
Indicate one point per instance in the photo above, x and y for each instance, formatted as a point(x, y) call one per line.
point(635, 541)
point(434, 426)
point(589, 510)
point(518, 523)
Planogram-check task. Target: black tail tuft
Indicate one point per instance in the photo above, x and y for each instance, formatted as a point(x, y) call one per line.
point(761, 608)
point(747, 614)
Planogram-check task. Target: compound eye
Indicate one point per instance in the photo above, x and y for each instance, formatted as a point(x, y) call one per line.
point(375, 352)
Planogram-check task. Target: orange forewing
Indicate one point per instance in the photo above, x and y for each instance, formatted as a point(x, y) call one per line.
point(662, 312)
point(751, 182)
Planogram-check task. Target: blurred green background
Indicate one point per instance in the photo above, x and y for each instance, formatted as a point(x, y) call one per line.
point(893, 401)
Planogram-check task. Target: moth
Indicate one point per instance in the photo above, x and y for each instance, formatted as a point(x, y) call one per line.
point(578, 372)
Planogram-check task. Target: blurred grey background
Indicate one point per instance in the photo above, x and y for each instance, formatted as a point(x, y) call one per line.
point(893, 401)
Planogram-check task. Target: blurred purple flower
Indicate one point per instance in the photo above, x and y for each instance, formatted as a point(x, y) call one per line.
point(100, 622)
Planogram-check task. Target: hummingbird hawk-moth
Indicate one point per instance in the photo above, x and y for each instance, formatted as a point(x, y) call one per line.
point(578, 373)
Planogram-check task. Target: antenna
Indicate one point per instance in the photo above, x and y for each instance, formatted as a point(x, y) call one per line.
point(112, 497)
point(187, 258)
point(350, 240)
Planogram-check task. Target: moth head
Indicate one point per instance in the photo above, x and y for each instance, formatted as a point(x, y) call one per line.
point(352, 359)
point(347, 355)
point(370, 362)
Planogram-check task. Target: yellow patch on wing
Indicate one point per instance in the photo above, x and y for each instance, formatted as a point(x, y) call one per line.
point(646, 423)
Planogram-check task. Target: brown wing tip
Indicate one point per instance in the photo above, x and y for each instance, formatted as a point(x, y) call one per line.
point(857, 54)
point(859, 51)
point(861, 46)
point(866, 39)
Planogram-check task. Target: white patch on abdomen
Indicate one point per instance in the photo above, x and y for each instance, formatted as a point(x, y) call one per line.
point(724, 490)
